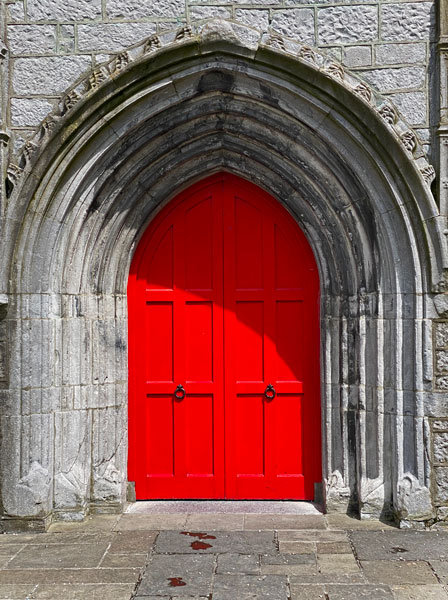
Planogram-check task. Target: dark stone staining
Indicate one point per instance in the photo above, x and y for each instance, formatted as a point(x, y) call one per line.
point(215, 81)
point(197, 545)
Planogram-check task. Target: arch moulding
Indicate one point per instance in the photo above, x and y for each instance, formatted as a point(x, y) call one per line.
point(127, 138)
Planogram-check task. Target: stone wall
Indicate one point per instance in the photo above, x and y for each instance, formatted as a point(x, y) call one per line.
point(52, 43)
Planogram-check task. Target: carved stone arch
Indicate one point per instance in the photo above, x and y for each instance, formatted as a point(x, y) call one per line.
point(127, 138)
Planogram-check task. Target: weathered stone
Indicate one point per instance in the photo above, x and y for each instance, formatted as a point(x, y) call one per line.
point(112, 37)
point(59, 557)
point(70, 10)
point(441, 304)
point(441, 334)
point(15, 12)
point(47, 75)
point(416, 592)
point(398, 572)
point(395, 54)
point(347, 24)
point(387, 80)
point(412, 105)
point(358, 56)
point(442, 362)
point(27, 113)
point(405, 21)
point(207, 12)
point(297, 23)
point(138, 9)
point(238, 563)
point(441, 484)
point(247, 542)
point(356, 591)
point(253, 18)
point(31, 39)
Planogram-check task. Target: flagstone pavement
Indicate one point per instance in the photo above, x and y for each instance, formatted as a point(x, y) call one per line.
point(224, 556)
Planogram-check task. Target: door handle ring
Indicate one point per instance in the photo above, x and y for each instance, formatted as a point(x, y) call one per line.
point(270, 392)
point(179, 392)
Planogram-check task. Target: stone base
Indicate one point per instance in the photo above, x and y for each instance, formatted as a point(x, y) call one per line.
point(23, 525)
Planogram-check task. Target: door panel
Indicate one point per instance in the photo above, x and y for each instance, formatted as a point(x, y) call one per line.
point(223, 301)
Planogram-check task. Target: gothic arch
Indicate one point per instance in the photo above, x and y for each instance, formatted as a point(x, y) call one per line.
point(127, 138)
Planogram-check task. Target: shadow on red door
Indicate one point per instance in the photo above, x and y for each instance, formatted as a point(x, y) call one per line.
point(224, 386)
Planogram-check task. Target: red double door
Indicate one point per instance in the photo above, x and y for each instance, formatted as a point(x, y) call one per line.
point(224, 349)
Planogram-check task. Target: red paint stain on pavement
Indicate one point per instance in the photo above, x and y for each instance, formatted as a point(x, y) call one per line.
point(176, 581)
point(198, 534)
point(200, 545)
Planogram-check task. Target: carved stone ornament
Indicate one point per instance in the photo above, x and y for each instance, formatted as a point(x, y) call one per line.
point(183, 33)
point(14, 173)
point(428, 174)
point(120, 63)
point(335, 70)
point(152, 44)
point(48, 124)
point(70, 100)
point(409, 140)
point(307, 53)
point(28, 150)
point(96, 78)
point(276, 41)
point(4, 139)
point(388, 114)
point(364, 91)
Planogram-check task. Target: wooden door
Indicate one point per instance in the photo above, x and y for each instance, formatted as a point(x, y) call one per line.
point(223, 307)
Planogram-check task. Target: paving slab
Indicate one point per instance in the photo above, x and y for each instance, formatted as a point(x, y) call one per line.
point(184, 575)
point(216, 542)
point(215, 522)
point(297, 547)
point(250, 587)
point(261, 522)
point(225, 507)
point(150, 522)
point(248, 564)
point(337, 564)
point(83, 592)
point(441, 569)
point(354, 592)
point(349, 523)
point(94, 523)
point(334, 548)
point(399, 545)
point(59, 556)
point(132, 542)
point(117, 561)
point(399, 572)
point(307, 592)
point(69, 576)
point(16, 591)
point(419, 592)
point(312, 535)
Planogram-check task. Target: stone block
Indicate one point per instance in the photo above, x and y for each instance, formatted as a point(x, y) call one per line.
point(244, 587)
point(388, 80)
point(440, 425)
point(141, 9)
point(69, 10)
point(442, 362)
point(357, 56)
point(441, 447)
point(72, 459)
point(442, 383)
point(31, 39)
point(412, 106)
point(441, 334)
point(15, 13)
point(395, 54)
point(297, 23)
point(347, 24)
point(207, 12)
point(406, 21)
point(112, 37)
point(194, 572)
point(253, 18)
point(47, 75)
point(27, 112)
point(441, 485)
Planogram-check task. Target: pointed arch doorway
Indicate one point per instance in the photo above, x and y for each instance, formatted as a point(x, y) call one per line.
point(224, 387)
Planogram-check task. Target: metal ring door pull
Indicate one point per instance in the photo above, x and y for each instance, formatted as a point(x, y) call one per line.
point(179, 392)
point(270, 392)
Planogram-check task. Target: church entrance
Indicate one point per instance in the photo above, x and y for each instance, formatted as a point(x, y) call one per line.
point(224, 386)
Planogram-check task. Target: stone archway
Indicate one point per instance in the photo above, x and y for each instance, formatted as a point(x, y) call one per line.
point(159, 117)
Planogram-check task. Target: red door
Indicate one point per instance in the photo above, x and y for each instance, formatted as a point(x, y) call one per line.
point(224, 349)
